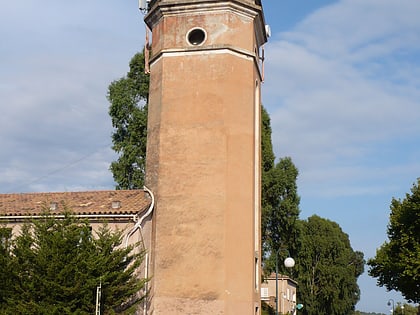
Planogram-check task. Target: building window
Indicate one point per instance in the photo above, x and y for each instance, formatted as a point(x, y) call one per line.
point(196, 36)
point(116, 204)
point(85, 235)
point(264, 294)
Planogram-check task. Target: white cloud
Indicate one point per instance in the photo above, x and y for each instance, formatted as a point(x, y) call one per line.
point(58, 59)
point(352, 25)
point(339, 90)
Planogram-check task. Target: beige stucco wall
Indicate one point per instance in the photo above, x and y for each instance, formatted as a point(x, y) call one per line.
point(203, 162)
point(125, 225)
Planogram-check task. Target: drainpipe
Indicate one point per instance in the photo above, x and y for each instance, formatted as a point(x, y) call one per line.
point(140, 221)
point(133, 230)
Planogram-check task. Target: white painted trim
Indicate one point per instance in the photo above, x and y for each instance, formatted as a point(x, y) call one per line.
point(211, 51)
point(60, 216)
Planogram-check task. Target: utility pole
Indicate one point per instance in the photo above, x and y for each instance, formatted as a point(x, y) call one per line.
point(98, 298)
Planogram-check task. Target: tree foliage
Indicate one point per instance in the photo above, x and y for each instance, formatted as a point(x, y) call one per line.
point(128, 98)
point(267, 309)
point(327, 269)
point(397, 262)
point(6, 267)
point(283, 206)
point(279, 199)
point(267, 164)
point(54, 266)
point(406, 309)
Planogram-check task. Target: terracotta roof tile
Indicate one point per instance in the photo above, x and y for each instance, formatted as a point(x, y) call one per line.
point(86, 202)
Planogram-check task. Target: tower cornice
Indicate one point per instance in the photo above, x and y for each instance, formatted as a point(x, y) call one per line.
point(209, 49)
point(246, 9)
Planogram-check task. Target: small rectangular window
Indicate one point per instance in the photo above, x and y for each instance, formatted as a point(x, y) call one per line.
point(264, 293)
point(53, 205)
point(116, 204)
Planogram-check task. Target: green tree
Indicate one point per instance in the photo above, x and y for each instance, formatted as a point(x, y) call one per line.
point(266, 309)
point(128, 99)
point(6, 269)
point(279, 199)
point(283, 209)
point(405, 309)
point(267, 164)
point(58, 263)
point(327, 269)
point(397, 262)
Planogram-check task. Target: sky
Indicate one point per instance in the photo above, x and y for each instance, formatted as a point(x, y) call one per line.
point(342, 86)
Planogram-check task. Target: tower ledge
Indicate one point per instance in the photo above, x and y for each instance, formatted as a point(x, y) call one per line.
point(245, 8)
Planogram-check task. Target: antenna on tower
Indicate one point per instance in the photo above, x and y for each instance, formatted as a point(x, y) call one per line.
point(144, 5)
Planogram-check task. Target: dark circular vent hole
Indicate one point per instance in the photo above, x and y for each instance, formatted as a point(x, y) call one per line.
point(196, 36)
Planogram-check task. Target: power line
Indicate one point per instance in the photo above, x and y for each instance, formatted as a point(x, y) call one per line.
point(58, 170)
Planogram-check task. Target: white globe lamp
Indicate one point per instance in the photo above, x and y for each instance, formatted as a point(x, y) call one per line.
point(289, 262)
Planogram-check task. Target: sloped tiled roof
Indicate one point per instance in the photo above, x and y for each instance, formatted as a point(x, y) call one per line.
point(86, 202)
point(272, 276)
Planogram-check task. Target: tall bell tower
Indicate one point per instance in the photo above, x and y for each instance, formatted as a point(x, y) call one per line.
point(203, 155)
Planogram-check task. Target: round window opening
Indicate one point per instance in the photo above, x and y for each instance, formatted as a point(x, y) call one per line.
point(196, 36)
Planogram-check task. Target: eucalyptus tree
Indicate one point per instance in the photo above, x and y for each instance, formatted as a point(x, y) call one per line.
point(327, 268)
point(279, 199)
point(128, 99)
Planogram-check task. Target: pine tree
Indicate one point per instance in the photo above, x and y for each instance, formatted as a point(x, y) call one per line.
point(6, 268)
point(58, 263)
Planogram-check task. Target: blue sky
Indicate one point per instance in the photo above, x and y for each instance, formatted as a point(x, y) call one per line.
point(342, 88)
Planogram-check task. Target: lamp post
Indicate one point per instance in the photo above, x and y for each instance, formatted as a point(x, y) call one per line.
point(289, 262)
point(389, 304)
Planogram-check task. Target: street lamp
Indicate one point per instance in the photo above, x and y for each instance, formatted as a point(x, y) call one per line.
point(389, 304)
point(289, 262)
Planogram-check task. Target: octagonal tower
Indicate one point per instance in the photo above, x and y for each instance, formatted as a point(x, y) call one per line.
point(203, 155)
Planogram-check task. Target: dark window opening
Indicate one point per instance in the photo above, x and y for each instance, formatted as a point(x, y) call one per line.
point(196, 36)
